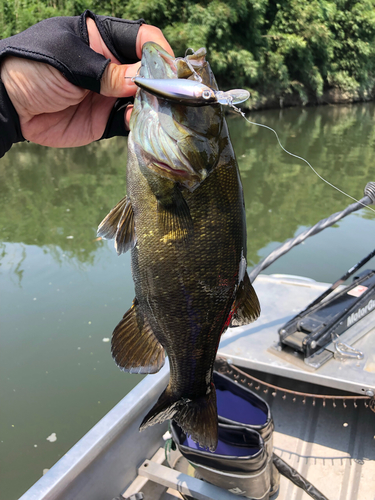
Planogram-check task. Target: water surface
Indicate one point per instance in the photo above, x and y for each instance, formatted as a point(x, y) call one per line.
point(62, 291)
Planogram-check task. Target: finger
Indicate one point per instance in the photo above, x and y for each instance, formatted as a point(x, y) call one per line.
point(97, 43)
point(149, 33)
point(118, 36)
point(127, 116)
point(117, 80)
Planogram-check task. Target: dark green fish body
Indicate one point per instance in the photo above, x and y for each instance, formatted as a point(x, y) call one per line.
point(186, 227)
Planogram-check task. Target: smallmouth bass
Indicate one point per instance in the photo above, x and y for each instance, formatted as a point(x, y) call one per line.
point(184, 220)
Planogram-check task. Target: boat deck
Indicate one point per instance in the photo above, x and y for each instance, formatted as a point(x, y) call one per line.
point(255, 346)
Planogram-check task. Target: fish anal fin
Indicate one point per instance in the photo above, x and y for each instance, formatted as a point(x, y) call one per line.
point(247, 307)
point(126, 237)
point(108, 227)
point(196, 417)
point(135, 348)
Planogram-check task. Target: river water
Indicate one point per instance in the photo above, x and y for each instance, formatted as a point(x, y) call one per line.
point(62, 291)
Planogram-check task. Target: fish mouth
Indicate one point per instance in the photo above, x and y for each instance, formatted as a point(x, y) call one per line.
point(170, 134)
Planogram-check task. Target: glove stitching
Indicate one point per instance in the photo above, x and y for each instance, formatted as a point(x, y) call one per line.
point(123, 21)
point(83, 27)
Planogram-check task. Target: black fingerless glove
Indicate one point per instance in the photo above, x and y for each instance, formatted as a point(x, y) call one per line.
point(10, 129)
point(63, 42)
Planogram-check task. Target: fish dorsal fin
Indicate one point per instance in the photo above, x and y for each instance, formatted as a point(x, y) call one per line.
point(108, 227)
point(125, 236)
point(247, 308)
point(135, 348)
point(174, 214)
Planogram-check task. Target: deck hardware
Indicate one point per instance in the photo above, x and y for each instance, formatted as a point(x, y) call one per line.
point(355, 404)
point(265, 390)
point(284, 396)
point(257, 387)
point(187, 485)
point(294, 399)
point(334, 403)
point(313, 402)
point(324, 402)
point(304, 401)
point(344, 403)
point(344, 350)
point(274, 394)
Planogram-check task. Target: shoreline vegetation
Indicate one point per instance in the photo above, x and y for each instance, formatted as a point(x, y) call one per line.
point(285, 52)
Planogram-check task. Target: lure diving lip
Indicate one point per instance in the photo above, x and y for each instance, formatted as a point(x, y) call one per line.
point(190, 92)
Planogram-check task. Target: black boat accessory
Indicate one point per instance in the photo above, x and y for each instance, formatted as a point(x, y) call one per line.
point(331, 315)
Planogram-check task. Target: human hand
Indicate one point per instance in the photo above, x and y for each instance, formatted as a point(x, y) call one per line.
point(55, 112)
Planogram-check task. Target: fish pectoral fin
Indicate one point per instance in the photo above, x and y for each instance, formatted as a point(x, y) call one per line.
point(135, 348)
point(196, 417)
point(247, 307)
point(108, 227)
point(125, 236)
point(174, 214)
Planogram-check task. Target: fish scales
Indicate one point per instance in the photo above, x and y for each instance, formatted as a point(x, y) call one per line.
point(187, 234)
point(187, 287)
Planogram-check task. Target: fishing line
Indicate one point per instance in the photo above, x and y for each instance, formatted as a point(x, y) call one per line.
point(296, 156)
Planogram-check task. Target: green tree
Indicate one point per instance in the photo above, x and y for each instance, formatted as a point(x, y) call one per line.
point(279, 50)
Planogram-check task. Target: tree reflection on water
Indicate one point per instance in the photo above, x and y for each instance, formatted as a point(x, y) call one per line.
point(55, 198)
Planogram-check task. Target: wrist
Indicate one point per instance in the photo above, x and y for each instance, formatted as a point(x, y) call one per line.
point(10, 127)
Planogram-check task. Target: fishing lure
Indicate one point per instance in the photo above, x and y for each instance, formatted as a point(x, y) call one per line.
point(190, 92)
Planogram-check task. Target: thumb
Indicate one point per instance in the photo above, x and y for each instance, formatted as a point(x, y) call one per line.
point(117, 80)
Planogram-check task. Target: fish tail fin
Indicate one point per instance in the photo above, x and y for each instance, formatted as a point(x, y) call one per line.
point(197, 417)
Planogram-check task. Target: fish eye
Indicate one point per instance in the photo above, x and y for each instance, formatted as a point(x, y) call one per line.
point(206, 94)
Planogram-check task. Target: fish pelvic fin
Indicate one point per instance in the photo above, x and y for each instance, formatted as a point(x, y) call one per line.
point(135, 348)
point(174, 215)
point(247, 307)
point(119, 223)
point(196, 417)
